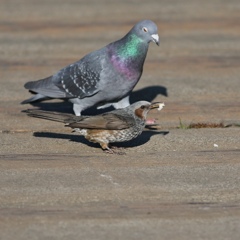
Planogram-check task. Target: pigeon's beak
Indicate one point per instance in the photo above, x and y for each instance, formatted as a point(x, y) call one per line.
point(155, 38)
point(158, 105)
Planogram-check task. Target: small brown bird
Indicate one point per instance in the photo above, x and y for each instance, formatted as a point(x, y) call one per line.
point(119, 125)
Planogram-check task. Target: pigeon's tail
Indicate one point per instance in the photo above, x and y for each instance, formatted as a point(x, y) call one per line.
point(39, 84)
point(44, 89)
point(52, 116)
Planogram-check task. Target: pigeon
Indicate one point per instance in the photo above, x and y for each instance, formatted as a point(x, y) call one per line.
point(102, 78)
point(119, 125)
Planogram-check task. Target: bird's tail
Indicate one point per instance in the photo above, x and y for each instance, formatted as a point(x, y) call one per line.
point(45, 89)
point(52, 116)
point(44, 83)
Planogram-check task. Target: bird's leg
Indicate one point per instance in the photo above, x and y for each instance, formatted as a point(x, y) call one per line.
point(122, 103)
point(115, 148)
point(107, 149)
point(77, 109)
point(104, 106)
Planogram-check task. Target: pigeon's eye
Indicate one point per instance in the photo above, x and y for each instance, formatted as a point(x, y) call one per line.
point(145, 29)
point(142, 107)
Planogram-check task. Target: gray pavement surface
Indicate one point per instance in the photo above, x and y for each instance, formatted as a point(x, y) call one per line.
point(173, 182)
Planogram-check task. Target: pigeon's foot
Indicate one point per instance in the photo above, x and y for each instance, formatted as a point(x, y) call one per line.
point(151, 124)
point(150, 121)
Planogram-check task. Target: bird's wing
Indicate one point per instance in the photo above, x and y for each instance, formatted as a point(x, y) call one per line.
point(109, 121)
point(80, 79)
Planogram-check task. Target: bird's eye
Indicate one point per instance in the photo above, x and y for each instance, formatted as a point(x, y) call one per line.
point(145, 29)
point(142, 107)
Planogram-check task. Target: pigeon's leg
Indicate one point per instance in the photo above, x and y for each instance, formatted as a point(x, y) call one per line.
point(104, 106)
point(77, 109)
point(78, 105)
point(150, 122)
point(122, 103)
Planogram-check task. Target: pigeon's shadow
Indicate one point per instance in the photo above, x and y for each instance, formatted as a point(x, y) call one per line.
point(61, 107)
point(140, 140)
point(147, 94)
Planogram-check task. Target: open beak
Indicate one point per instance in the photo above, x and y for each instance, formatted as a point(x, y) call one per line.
point(155, 38)
point(158, 105)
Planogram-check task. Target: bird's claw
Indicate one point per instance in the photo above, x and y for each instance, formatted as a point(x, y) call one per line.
point(117, 148)
point(112, 150)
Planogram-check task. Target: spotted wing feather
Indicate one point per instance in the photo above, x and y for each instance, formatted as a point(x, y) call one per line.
point(81, 79)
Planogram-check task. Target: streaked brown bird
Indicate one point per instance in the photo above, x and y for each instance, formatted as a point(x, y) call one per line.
point(119, 125)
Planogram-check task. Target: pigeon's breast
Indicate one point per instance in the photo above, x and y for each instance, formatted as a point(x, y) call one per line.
point(125, 67)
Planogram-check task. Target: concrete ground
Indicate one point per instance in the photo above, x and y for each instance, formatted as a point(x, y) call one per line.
point(173, 182)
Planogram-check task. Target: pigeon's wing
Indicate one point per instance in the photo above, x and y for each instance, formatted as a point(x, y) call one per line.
point(109, 121)
point(78, 80)
point(82, 78)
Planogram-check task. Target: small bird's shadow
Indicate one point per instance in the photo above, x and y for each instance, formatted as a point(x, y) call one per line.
point(146, 94)
point(70, 137)
point(140, 140)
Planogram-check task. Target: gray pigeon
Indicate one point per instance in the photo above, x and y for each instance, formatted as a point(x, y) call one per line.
point(102, 78)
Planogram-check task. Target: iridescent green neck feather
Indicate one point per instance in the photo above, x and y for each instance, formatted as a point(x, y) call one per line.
point(131, 48)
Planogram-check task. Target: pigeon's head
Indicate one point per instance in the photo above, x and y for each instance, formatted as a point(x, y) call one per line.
point(142, 108)
point(146, 30)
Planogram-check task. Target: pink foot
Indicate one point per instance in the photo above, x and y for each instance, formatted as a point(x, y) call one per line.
point(150, 121)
